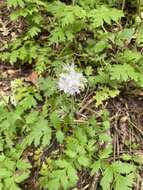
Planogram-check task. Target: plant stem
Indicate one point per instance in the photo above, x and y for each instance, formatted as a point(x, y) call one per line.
point(123, 4)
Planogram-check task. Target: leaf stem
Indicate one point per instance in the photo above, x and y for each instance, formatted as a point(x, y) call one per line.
point(123, 4)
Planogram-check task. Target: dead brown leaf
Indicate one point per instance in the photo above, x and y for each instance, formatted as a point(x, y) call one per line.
point(33, 78)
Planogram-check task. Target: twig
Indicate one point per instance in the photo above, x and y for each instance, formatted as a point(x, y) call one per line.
point(141, 132)
point(138, 182)
point(73, 2)
point(114, 147)
point(80, 121)
point(123, 4)
point(115, 138)
point(130, 140)
point(85, 106)
point(95, 181)
point(139, 5)
point(84, 188)
point(85, 96)
point(118, 146)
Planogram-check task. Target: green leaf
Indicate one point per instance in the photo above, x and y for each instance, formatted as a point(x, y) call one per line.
point(83, 160)
point(104, 94)
point(57, 35)
point(105, 153)
point(138, 159)
point(68, 172)
point(107, 179)
point(123, 168)
point(123, 73)
point(23, 165)
point(140, 35)
point(60, 136)
point(103, 14)
point(34, 31)
point(2, 157)
point(4, 173)
point(106, 125)
point(81, 135)
point(17, 13)
point(70, 153)
point(14, 56)
point(48, 86)
point(101, 45)
point(104, 137)
point(10, 184)
point(15, 3)
point(124, 182)
point(21, 177)
point(126, 157)
point(47, 133)
point(72, 174)
point(53, 184)
point(28, 102)
point(95, 167)
point(32, 117)
point(9, 164)
point(40, 133)
point(62, 163)
point(55, 120)
point(1, 186)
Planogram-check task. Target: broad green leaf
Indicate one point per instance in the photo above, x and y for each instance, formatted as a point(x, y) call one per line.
point(70, 153)
point(105, 153)
point(34, 31)
point(10, 184)
point(83, 160)
point(55, 120)
point(47, 133)
point(15, 3)
point(23, 165)
point(105, 137)
point(48, 86)
point(103, 14)
point(28, 102)
point(20, 178)
point(40, 133)
point(123, 168)
point(107, 179)
point(53, 184)
point(4, 173)
point(60, 136)
point(31, 117)
point(126, 157)
point(72, 175)
point(95, 167)
point(124, 182)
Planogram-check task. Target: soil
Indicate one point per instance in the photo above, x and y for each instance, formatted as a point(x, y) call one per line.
point(9, 30)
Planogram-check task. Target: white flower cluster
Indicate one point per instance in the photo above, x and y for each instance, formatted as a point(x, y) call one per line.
point(70, 81)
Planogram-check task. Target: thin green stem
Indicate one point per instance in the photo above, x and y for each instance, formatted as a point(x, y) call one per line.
point(123, 4)
point(139, 5)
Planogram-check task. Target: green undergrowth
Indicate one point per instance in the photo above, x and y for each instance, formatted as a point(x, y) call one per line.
point(104, 39)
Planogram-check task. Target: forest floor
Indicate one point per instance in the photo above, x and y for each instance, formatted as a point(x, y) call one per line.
point(126, 111)
point(126, 116)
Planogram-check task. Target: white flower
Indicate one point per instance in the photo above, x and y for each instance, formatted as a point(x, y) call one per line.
point(70, 81)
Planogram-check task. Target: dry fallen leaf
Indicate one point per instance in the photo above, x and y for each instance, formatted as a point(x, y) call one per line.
point(33, 78)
